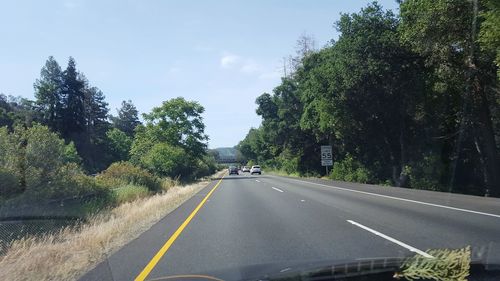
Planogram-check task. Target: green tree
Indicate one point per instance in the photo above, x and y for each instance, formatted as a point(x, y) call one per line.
point(362, 93)
point(70, 106)
point(127, 118)
point(166, 160)
point(253, 146)
point(284, 144)
point(175, 130)
point(40, 164)
point(96, 112)
point(71, 155)
point(445, 34)
point(8, 164)
point(17, 111)
point(120, 144)
point(489, 35)
point(73, 95)
point(179, 123)
point(5, 112)
point(48, 94)
point(93, 142)
point(410, 99)
point(44, 153)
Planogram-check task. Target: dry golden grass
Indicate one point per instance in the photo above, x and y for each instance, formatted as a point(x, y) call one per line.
point(72, 252)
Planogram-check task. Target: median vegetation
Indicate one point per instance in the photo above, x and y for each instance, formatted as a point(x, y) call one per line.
point(408, 99)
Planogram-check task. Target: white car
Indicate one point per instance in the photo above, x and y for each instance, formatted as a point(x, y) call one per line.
point(255, 170)
point(245, 169)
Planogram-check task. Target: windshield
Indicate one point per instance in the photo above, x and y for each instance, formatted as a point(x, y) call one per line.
point(241, 140)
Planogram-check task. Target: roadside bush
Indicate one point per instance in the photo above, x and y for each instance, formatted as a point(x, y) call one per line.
point(202, 169)
point(425, 174)
point(130, 192)
point(167, 183)
point(350, 170)
point(5, 144)
point(120, 144)
point(167, 161)
point(205, 167)
point(124, 173)
point(288, 162)
point(10, 158)
point(44, 153)
point(71, 154)
point(9, 184)
point(70, 180)
point(41, 164)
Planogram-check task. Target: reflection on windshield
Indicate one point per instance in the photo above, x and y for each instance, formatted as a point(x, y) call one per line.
point(444, 265)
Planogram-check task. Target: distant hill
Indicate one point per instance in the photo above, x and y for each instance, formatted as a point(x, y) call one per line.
point(227, 152)
point(226, 155)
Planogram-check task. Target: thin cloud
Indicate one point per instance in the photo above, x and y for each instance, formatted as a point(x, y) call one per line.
point(229, 61)
point(249, 66)
point(245, 65)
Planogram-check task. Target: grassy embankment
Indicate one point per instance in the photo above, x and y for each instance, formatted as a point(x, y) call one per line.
point(72, 251)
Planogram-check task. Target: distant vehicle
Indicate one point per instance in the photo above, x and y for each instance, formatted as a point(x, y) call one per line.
point(255, 170)
point(233, 170)
point(245, 169)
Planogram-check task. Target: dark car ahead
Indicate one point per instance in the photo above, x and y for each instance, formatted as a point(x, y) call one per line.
point(233, 170)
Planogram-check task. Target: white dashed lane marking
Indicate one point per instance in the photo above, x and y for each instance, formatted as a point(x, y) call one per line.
point(277, 189)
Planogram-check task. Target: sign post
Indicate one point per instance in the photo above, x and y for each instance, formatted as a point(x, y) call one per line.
point(326, 157)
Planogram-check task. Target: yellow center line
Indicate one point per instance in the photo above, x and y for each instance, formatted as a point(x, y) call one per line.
point(152, 263)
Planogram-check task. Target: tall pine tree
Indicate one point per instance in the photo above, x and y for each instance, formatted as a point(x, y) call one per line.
point(127, 118)
point(96, 126)
point(73, 96)
point(48, 93)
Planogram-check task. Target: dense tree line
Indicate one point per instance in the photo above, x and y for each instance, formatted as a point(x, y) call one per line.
point(410, 100)
point(48, 146)
point(67, 104)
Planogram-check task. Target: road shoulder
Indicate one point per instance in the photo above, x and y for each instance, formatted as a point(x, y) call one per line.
point(127, 262)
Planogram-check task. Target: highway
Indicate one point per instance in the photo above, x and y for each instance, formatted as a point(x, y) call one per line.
point(241, 226)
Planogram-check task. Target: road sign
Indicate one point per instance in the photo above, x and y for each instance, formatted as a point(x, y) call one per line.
point(326, 152)
point(327, 162)
point(326, 156)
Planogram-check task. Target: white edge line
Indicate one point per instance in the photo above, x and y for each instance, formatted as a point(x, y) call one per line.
point(404, 245)
point(277, 189)
point(403, 199)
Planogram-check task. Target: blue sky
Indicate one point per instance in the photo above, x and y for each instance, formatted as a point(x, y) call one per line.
point(222, 54)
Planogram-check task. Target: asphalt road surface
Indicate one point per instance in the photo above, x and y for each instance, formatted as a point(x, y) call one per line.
point(242, 226)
